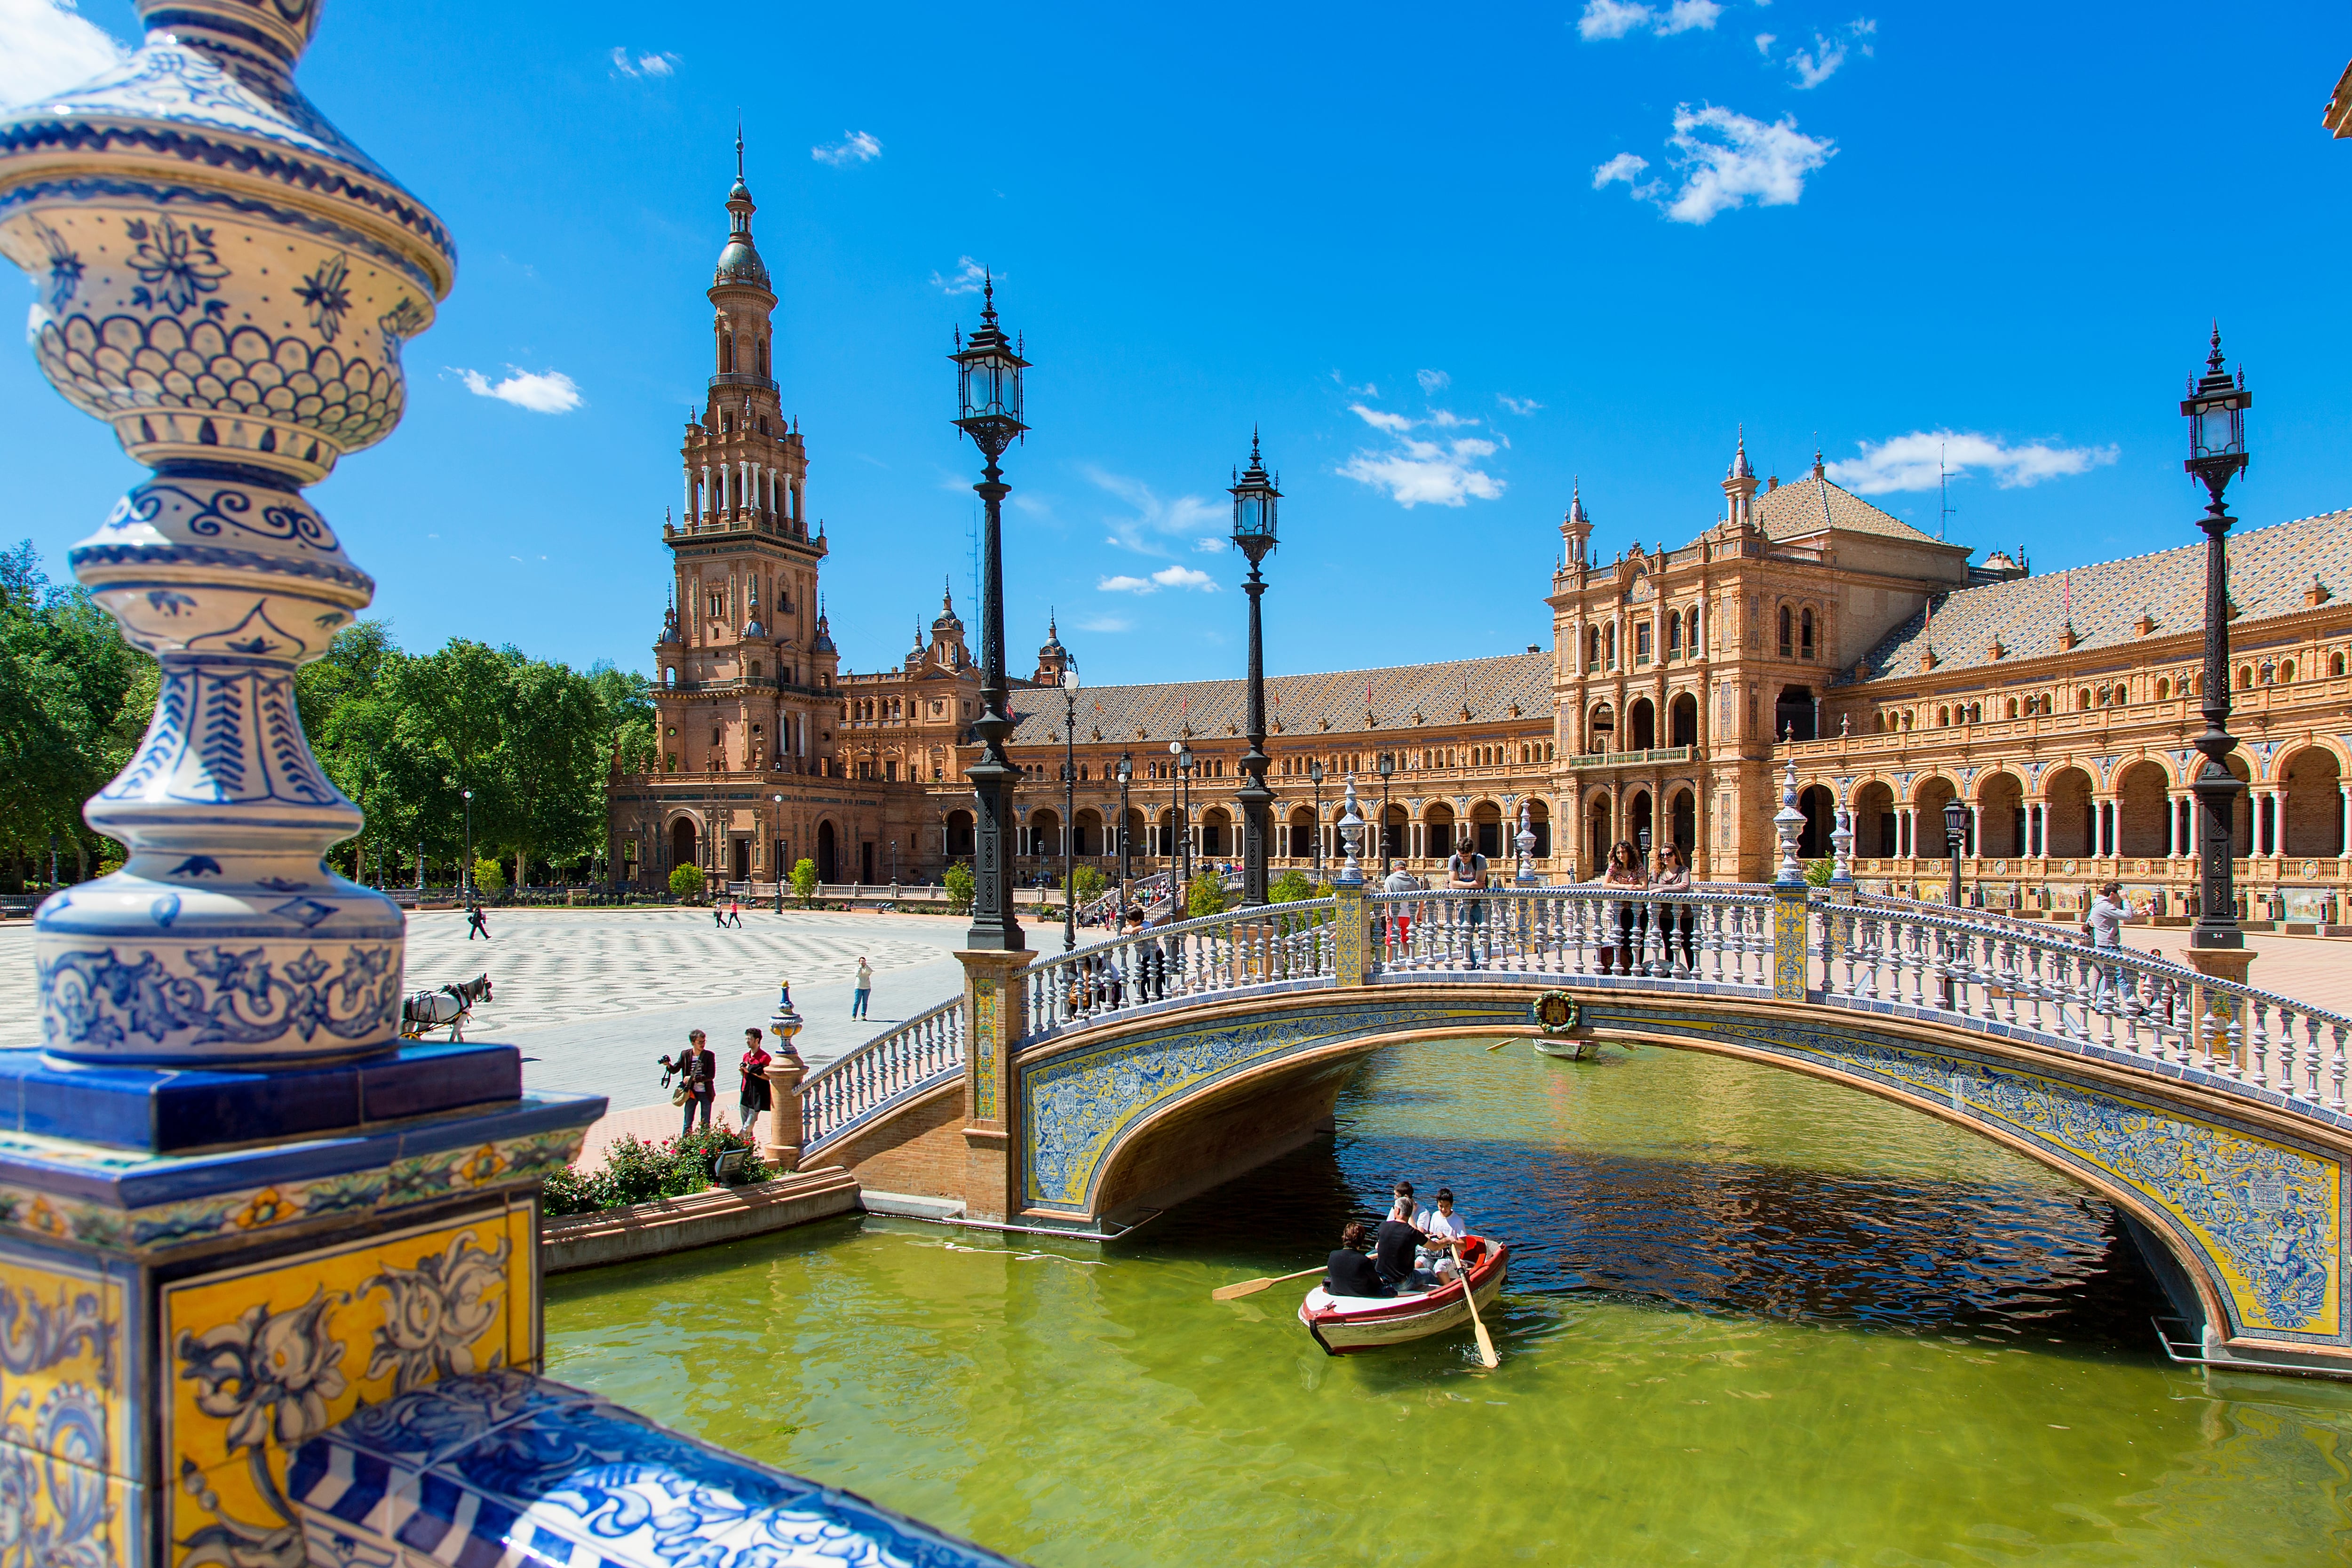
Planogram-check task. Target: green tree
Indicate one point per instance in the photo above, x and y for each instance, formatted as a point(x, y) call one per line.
point(804, 879)
point(958, 883)
point(349, 711)
point(626, 701)
point(686, 881)
point(1087, 879)
point(1289, 888)
point(548, 769)
point(489, 879)
point(1817, 872)
point(68, 684)
point(1204, 895)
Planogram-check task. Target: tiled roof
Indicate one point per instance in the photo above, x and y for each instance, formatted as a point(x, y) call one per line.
point(2270, 571)
point(1488, 687)
point(1812, 503)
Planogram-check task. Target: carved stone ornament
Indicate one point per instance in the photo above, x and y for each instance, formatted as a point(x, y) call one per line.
point(228, 283)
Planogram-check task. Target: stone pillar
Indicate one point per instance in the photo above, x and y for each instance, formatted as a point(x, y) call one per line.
point(784, 1124)
point(995, 1004)
point(248, 1191)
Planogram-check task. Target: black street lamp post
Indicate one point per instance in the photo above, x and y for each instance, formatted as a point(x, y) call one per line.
point(1956, 838)
point(1315, 775)
point(776, 848)
point(988, 377)
point(1183, 754)
point(1069, 805)
point(1126, 850)
point(2216, 409)
point(1388, 771)
point(1254, 501)
point(465, 875)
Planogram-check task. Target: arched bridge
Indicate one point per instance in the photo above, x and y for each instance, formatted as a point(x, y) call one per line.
point(1081, 1092)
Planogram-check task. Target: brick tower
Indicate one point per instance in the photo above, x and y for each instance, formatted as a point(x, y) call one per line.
point(746, 672)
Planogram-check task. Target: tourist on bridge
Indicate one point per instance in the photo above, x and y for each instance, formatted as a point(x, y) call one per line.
point(1347, 1272)
point(1466, 872)
point(1675, 922)
point(857, 998)
point(2103, 925)
point(475, 925)
point(1625, 871)
point(754, 1096)
point(698, 1065)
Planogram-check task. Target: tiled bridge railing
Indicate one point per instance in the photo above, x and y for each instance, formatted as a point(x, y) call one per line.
point(2131, 1010)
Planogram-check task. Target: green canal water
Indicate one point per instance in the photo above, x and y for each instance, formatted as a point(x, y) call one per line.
point(1751, 1318)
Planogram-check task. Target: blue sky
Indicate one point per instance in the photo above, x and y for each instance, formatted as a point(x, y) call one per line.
point(1448, 259)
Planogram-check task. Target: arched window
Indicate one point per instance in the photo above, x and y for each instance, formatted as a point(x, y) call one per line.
point(755, 675)
point(725, 352)
point(2335, 664)
point(2163, 689)
point(2286, 670)
point(764, 359)
point(1784, 631)
point(1613, 645)
point(1976, 712)
point(1806, 634)
point(2012, 707)
point(1641, 642)
point(1878, 723)
point(2245, 678)
point(1592, 656)
point(2082, 699)
point(1673, 635)
point(1691, 634)
point(1943, 718)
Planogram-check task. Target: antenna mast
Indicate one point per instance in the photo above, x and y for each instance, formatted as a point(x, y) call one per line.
point(1944, 487)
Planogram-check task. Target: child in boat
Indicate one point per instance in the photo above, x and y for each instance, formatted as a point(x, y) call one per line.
point(1440, 1225)
point(1349, 1272)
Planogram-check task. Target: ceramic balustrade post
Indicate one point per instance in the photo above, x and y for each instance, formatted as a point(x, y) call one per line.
point(238, 1160)
point(785, 1122)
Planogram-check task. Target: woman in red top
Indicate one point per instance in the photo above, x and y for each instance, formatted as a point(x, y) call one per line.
point(755, 1079)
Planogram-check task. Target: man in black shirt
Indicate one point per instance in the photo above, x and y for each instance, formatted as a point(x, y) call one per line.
point(1349, 1272)
point(1392, 1246)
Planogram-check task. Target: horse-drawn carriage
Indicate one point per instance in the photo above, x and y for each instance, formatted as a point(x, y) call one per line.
point(448, 1008)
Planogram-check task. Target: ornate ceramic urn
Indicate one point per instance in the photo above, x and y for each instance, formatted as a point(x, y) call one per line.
point(228, 283)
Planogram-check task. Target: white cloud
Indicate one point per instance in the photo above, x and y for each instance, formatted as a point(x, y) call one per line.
point(541, 391)
point(1612, 18)
point(966, 279)
point(1211, 544)
point(1726, 160)
point(1684, 15)
point(627, 62)
point(1106, 624)
point(1166, 577)
point(1615, 18)
point(1381, 420)
point(46, 47)
point(855, 147)
point(1764, 42)
point(1519, 406)
point(1153, 524)
point(1911, 462)
point(1817, 64)
point(1433, 381)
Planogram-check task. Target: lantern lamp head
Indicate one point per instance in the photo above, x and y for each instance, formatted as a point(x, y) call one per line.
point(2215, 411)
point(1255, 500)
point(1955, 823)
point(988, 382)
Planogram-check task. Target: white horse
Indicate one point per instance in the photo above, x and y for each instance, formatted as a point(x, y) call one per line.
point(448, 1007)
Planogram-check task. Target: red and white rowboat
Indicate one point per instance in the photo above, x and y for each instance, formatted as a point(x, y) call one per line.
point(1342, 1324)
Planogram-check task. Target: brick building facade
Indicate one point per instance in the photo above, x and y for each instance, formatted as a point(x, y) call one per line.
point(1801, 622)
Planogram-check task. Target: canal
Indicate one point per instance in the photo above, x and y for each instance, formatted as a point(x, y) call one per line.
point(1752, 1318)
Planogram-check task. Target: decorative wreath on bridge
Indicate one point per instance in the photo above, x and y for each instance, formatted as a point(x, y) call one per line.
point(1555, 1012)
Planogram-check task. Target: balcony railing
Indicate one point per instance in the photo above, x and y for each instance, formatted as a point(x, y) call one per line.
point(1654, 754)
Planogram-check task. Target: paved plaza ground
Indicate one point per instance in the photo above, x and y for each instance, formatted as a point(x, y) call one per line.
point(593, 996)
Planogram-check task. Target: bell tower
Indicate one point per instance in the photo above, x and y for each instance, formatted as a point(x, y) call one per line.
point(746, 672)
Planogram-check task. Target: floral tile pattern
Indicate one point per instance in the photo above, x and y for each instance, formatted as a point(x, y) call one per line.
point(259, 1360)
point(507, 1468)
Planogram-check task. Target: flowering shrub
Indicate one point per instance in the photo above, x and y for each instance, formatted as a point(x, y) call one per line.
point(637, 1171)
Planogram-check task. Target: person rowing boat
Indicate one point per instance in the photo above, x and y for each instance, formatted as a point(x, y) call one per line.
point(1443, 1228)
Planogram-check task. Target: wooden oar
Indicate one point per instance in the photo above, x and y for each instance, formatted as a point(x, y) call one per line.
point(1479, 1325)
point(1252, 1286)
point(1498, 1044)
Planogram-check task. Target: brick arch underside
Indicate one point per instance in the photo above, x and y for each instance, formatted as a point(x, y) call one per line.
point(2216, 1187)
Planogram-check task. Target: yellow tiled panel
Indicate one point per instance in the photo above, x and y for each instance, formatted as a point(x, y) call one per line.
point(64, 1326)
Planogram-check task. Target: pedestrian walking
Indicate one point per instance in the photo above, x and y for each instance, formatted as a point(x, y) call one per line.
point(475, 925)
point(697, 1067)
point(735, 914)
point(718, 915)
point(857, 998)
point(754, 1096)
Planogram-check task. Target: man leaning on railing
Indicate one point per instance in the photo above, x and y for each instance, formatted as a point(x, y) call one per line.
point(1466, 872)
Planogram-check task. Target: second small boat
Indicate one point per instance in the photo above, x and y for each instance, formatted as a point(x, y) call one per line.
point(1344, 1324)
